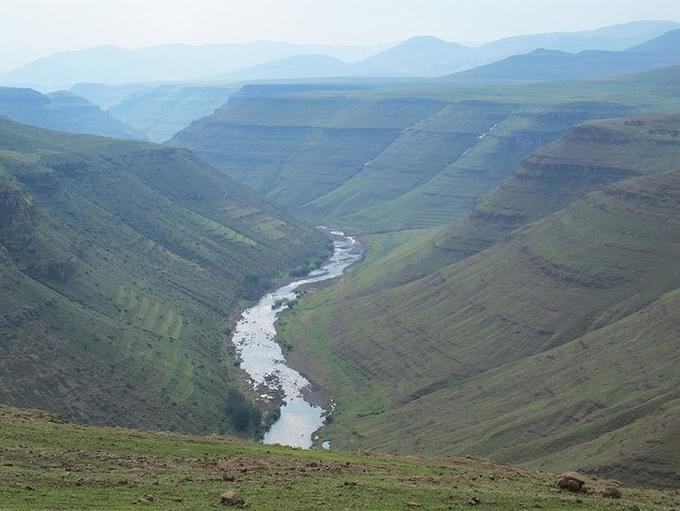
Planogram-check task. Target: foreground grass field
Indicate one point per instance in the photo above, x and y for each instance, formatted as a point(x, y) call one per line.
point(48, 464)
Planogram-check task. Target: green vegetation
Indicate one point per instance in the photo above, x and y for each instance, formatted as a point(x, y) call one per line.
point(47, 464)
point(538, 329)
point(122, 265)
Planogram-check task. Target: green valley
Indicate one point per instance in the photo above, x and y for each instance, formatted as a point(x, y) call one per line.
point(122, 266)
point(430, 263)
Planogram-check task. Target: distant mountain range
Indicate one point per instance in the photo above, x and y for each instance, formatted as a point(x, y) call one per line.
point(418, 56)
point(426, 56)
point(545, 64)
point(113, 65)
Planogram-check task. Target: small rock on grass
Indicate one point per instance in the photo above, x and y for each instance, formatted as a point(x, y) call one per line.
point(571, 481)
point(473, 501)
point(231, 498)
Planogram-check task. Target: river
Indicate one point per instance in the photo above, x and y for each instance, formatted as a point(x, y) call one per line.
point(262, 357)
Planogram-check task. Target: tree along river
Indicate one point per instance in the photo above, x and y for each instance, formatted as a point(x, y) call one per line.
point(262, 357)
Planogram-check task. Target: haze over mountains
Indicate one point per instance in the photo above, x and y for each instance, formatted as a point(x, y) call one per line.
point(557, 65)
point(112, 65)
point(420, 56)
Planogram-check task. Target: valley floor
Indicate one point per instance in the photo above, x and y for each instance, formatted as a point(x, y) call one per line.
point(48, 464)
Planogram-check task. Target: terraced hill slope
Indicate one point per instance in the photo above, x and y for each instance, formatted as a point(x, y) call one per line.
point(377, 160)
point(120, 265)
point(51, 465)
point(539, 330)
point(63, 111)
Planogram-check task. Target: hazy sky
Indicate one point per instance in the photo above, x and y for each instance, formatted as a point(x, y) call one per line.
point(32, 28)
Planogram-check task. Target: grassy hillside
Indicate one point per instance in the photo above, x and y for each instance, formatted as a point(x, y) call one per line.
point(48, 464)
point(378, 157)
point(550, 347)
point(121, 264)
point(63, 111)
point(295, 149)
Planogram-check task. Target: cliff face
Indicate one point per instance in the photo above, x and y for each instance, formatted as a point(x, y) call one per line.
point(552, 287)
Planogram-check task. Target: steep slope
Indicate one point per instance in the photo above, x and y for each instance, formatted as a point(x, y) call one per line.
point(161, 112)
point(410, 186)
point(376, 159)
point(122, 263)
point(49, 464)
point(297, 147)
point(452, 361)
point(544, 64)
point(63, 111)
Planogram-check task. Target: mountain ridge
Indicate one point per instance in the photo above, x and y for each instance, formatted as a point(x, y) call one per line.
point(544, 64)
point(179, 62)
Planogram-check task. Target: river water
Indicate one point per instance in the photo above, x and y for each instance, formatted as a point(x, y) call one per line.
point(262, 357)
